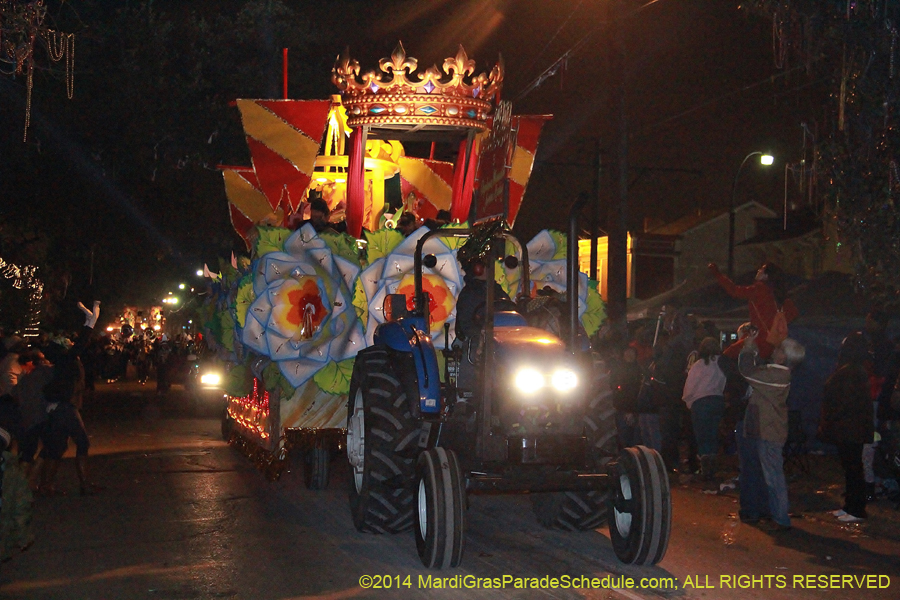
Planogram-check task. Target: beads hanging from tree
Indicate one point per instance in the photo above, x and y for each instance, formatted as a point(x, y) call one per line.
point(21, 26)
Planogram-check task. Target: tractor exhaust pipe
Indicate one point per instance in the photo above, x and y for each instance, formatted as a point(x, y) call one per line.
point(572, 270)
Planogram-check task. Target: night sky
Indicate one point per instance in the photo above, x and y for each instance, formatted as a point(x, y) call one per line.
point(691, 118)
point(703, 91)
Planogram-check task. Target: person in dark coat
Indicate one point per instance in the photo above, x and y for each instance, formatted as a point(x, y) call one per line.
point(848, 421)
point(63, 396)
point(625, 379)
point(29, 393)
point(470, 306)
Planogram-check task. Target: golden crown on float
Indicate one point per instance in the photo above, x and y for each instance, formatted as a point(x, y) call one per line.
point(398, 98)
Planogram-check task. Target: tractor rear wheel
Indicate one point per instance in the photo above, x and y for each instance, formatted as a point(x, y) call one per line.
point(382, 443)
point(581, 511)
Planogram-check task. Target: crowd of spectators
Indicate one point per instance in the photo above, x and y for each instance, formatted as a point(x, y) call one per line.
point(678, 391)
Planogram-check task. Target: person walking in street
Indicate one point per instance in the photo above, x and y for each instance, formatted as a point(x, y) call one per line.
point(703, 395)
point(848, 422)
point(766, 421)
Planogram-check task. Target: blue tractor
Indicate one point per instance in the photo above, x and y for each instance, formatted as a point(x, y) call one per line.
point(516, 410)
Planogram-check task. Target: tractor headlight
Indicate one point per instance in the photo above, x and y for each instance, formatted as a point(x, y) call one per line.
point(529, 380)
point(210, 379)
point(564, 380)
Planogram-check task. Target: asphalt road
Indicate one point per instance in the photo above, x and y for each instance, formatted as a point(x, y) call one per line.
point(185, 516)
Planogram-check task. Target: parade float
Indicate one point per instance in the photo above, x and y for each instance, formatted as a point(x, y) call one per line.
point(291, 318)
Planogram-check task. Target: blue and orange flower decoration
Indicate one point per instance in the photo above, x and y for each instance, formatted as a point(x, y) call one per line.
point(303, 317)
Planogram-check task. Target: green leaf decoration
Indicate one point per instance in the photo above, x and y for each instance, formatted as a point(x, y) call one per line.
point(595, 313)
point(213, 326)
point(271, 239)
point(274, 380)
point(501, 278)
point(561, 241)
point(227, 323)
point(342, 245)
point(382, 242)
point(510, 277)
point(239, 381)
point(245, 297)
point(360, 302)
point(454, 242)
point(334, 377)
point(244, 263)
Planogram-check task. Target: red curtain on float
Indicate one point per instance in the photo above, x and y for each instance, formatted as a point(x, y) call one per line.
point(463, 183)
point(356, 183)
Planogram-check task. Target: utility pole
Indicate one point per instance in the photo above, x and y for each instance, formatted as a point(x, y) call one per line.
point(595, 212)
point(617, 270)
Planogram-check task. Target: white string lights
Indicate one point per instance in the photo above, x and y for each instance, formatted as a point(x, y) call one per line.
point(25, 278)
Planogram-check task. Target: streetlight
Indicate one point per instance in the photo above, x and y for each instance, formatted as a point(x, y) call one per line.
point(199, 272)
point(765, 160)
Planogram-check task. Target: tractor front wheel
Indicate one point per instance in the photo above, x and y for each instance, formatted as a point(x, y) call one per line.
point(440, 509)
point(642, 507)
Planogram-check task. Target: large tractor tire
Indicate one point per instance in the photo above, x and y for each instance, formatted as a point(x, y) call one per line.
point(382, 438)
point(642, 507)
point(582, 511)
point(440, 509)
point(317, 468)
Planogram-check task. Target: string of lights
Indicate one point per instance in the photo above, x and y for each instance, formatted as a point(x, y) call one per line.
point(25, 278)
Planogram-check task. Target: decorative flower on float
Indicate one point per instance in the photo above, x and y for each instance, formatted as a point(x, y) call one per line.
point(302, 317)
point(390, 271)
point(547, 268)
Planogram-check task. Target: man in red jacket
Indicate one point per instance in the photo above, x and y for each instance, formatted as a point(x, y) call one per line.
point(765, 297)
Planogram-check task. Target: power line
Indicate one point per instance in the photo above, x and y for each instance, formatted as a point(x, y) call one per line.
point(746, 88)
point(562, 61)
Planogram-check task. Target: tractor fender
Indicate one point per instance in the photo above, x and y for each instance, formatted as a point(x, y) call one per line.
point(427, 374)
point(393, 335)
point(406, 336)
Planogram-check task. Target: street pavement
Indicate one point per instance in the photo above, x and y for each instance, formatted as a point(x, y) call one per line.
point(183, 515)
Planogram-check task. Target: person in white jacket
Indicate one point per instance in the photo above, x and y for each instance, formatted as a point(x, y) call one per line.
point(704, 397)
